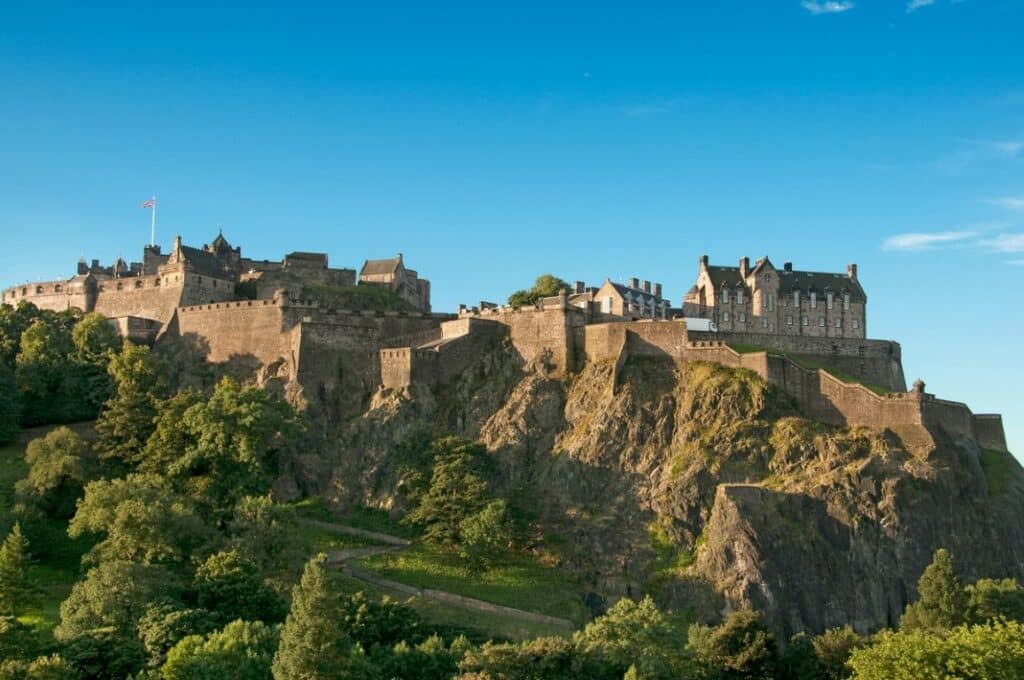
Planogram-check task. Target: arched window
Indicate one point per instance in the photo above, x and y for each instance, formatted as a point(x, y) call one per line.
point(846, 301)
point(739, 296)
point(725, 296)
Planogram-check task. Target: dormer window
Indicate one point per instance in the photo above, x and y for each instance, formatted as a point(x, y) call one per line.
point(725, 296)
point(739, 296)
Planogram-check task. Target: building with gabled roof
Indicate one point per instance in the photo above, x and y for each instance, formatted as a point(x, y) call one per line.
point(392, 274)
point(766, 300)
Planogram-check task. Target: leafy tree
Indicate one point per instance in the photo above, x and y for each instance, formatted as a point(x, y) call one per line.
point(17, 640)
point(833, 648)
point(238, 435)
point(313, 644)
point(242, 650)
point(95, 341)
point(17, 589)
point(486, 535)
point(636, 634)
point(169, 439)
point(546, 285)
point(990, 599)
point(60, 464)
point(165, 624)
point(102, 653)
point(44, 668)
point(114, 596)
point(800, 661)
point(550, 658)
point(429, 660)
point(231, 586)
point(378, 623)
point(127, 420)
point(942, 602)
point(264, 533)
point(13, 322)
point(741, 647)
point(142, 520)
point(990, 650)
point(43, 371)
point(458, 489)
point(10, 405)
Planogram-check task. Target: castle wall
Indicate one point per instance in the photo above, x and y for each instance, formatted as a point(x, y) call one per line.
point(140, 296)
point(988, 431)
point(535, 333)
point(227, 330)
point(55, 296)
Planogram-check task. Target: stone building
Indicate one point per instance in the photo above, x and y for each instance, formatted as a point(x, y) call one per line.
point(638, 300)
point(393, 275)
point(765, 300)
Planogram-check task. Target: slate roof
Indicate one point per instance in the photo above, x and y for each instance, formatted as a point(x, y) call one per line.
point(378, 267)
point(203, 262)
point(789, 281)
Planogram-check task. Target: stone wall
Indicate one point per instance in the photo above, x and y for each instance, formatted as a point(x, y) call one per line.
point(547, 334)
point(148, 297)
point(55, 296)
point(988, 431)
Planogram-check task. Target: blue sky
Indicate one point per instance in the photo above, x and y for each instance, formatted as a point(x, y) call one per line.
point(492, 142)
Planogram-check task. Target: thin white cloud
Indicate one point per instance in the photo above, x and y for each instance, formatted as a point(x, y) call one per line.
point(1011, 202)
point(918, 4)
point(925, 240)
point(1010, 147)
point(828, 7)
point(1005, 243)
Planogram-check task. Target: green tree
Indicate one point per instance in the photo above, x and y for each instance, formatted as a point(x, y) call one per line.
point(17, 588)
point(636, 634)
point(169, 439)
point(95, 341)
point(10, 405)
point(313, 645)
point(265, 533)
point(114, 596)
point(127, 420)
point(232, 587)
point(165, 624)
point(17, 640)
point(486, 535)
point(51, 667)
point(834, 647)
point(43, 372)
point(546, 285)
point(547, 658)
point(242, 650)
point(741, 647)
point(991, 650)
point(942, 601)
point(378, 623)
point(991, 599)
point(238, 434)
point(13, 322)
point(102, 653)
point(428, 660)
point(60, 465)
point(458, 489)
point(141, 520)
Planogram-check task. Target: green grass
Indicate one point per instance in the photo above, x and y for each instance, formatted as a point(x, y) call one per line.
point(1001, 470)
point(380, 521)
point(518, 582)
point(749, 349)
point(363, 297)
point(449, 622)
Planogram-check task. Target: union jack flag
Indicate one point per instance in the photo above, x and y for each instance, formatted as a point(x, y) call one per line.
point(151, 203)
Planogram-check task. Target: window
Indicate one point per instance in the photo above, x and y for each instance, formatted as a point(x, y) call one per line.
point(789, 319)
point(830, 300)
point(838, 323)
point(606, 305)
point(725, 297)
point(856, 323)
point(821, 321)
point(846, 300)
point(739, 296)
point(796, 298)
point(39, 289)
point(814, 300)
point(803, 321)
point(725, 316)
point(742, 317)
point(764, 322)
point(58, 288)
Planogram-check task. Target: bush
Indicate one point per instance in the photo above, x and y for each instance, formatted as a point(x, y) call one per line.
point(242, 650)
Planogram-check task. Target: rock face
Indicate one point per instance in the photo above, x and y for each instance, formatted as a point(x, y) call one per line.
point(702, 485)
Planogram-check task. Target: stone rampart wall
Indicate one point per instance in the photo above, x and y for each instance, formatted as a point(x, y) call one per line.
point(140, 296)
point(988, 431)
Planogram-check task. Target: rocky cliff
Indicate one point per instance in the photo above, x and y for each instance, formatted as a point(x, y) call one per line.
point(704, 486)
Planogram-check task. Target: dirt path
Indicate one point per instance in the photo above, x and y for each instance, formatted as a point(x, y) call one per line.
point(339, 559)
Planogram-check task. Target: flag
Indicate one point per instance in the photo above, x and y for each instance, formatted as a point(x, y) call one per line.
point(151, 203)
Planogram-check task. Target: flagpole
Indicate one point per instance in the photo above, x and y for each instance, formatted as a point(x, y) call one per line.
point(152, 225)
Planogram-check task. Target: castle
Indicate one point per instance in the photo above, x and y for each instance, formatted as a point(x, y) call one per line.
point(802, 331)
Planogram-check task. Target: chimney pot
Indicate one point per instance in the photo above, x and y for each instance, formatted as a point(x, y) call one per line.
point(647, 286)
point(744, 266)
point(851, 271)
point(788, 266)
point(703, 261)
point(634, 283)
point(657, 290)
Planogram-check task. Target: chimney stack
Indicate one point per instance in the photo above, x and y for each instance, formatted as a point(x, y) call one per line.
point(788, 266)
point(581, 287)
point(634, 283)
point(851, 271)
point(744, 266)
point(657, 290)
point(647, 286)
point(703, 262)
